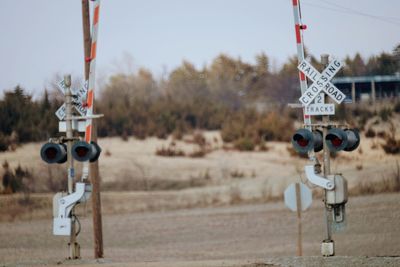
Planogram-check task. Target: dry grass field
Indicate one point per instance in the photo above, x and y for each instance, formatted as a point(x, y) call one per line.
point(223, 209)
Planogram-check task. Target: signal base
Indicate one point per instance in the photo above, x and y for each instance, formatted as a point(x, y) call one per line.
point(75, 251)
point(328, 248)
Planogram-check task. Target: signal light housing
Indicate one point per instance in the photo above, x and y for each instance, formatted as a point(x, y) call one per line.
point(338, 139)
point(304, 140)
point(82, 151)
point(353, 139)
point(54, 153)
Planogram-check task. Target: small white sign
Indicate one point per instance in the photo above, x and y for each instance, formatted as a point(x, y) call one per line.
point(61, 85)
point(320, 99)
point(80, 93)
point(321, 82)
point(61, 113)
point(79, 126)
point(319, 109)
point(291, 198)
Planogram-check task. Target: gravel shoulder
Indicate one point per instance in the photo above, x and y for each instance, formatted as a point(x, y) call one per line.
point(242, 235)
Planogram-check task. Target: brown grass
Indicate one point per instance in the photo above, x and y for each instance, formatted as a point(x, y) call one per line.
point(294, 153)
point(200, 153)
point(129, 183)
point(237, 174)
point(370, 133)
point(166, 195)
point(392, 146)
point(170, 151)
point(385, 185)
point(23, 207)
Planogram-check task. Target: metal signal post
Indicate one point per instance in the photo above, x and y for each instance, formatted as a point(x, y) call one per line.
point(74, 248)
point(328, 245)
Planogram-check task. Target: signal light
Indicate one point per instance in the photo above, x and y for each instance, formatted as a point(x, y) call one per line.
point(353, 139)
point(54, 153)
point(338, 139)
point(82, 151)
point(304, 140)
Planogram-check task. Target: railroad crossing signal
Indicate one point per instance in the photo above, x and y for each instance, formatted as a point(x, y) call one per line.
point(54, 153)
point(304, 140)
point(82, 151)
point(321, 82)
point(336, 140)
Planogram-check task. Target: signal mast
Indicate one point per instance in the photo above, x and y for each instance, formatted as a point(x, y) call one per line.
point(325, 136)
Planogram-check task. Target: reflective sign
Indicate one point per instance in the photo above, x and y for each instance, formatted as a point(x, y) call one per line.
point(291, 197)
point(321, 82)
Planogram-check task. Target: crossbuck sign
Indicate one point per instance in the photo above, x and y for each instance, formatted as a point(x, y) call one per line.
point(80, 95)
point(321, 82)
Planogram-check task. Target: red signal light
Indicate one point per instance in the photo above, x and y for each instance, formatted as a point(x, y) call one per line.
point(54, 153)
point(82, 151)
point(336, 141)
point(302, 142)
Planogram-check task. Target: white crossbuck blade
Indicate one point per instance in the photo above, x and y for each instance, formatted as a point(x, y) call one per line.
point(80, 93)
point(321, 82)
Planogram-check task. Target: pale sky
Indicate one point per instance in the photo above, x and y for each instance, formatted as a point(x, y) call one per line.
point(42, 38)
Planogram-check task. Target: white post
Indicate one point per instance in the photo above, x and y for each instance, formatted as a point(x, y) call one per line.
point(327, 246)
point(299, 228)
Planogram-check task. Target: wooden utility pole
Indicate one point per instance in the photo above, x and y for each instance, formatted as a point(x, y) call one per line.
point(87, 40)
point(94, 167)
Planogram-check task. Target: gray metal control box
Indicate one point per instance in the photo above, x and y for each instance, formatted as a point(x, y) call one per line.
point(339, 195)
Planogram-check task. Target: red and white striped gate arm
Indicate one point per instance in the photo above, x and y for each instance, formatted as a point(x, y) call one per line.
point(300, 48)
point(91, 84)
point(92, 76)
point(300, 56)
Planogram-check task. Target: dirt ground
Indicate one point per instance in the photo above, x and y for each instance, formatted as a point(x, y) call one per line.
point(242, 235)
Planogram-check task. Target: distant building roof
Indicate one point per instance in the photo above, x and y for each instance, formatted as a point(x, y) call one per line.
point(368, 79)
